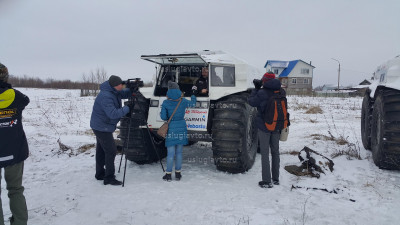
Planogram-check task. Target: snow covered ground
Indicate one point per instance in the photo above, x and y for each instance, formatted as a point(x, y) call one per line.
point(61, 188)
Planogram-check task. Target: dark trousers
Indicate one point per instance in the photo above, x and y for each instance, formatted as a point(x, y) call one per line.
point(269, 141)
point(13, 176)
point(106, 151)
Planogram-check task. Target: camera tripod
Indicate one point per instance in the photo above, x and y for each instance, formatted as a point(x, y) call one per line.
point(134, 99)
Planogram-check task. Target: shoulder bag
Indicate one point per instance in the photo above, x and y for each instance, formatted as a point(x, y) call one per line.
point(163, 131)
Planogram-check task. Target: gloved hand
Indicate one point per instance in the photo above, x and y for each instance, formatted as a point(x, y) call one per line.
point(126, 109)
point(257, 83)
point(194, 90)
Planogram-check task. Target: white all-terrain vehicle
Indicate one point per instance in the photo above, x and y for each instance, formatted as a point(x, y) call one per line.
point(380, 116)
point(222, 117)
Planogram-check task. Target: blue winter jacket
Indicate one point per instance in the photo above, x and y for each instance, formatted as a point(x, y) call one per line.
point(177, 130)
point(259, 98)
point(107, 108)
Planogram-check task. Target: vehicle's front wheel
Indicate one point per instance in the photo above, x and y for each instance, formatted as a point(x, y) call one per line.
point(385, 130)
point(234, 134)
point(140, 148)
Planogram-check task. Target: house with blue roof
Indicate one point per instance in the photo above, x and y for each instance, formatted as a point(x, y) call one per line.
point(296, 76)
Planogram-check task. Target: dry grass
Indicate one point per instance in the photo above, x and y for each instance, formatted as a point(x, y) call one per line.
point(299, 107)
point(314, 110)
point(290, 153)
point(321, 137)
point(316, 136)
point(350, 152)
point(368, 185)
point(86, 147)
point(339, 140)
point(88, 132)
point(313, 121)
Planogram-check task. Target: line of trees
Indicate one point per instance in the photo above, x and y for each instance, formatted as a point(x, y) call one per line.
point(90, 84)
point(32, 82)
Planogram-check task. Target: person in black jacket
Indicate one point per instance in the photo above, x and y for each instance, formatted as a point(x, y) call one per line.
point(201, 86)
point(259, 98)
point(14, 147)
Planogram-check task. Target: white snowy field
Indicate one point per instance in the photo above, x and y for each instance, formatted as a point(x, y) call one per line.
point(60, 187)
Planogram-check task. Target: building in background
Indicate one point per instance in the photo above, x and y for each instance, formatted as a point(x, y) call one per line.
point(296, 76)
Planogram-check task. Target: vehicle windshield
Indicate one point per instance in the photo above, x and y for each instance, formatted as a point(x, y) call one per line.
point(185, 75)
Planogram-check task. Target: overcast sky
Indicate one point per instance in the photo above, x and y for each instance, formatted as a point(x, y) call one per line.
point(63, 39)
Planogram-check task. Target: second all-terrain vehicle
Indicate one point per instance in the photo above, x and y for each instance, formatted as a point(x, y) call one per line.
point(221, 116)
point(380, 115)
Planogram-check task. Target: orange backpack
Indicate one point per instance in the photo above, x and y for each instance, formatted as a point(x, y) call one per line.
point(275, 114)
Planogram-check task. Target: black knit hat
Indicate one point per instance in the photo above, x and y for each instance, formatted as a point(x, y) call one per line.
point(3, 73)
point(114, 80)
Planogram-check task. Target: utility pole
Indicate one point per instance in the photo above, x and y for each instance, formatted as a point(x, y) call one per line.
point(338, 79)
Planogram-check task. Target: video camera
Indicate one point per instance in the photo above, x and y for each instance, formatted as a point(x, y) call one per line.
point(133, 84)
point(257, 83)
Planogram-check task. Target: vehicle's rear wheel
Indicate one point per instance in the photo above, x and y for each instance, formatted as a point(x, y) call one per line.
point(140, 147)
point(385, 130)
point(234, 134)
point(366, 116)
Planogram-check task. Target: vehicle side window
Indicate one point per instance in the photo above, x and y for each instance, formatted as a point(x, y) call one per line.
point(223, 76)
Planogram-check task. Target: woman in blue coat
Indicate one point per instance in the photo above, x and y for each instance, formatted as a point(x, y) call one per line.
point(177, 130)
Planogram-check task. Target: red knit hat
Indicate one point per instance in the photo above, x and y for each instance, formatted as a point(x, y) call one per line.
point(268, 76)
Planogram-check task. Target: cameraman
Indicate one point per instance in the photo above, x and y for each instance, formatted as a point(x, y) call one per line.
point(107, 111)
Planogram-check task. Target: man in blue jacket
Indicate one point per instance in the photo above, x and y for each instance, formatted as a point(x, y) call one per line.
point(107, 111)
point(13, 148)
point(268, 140)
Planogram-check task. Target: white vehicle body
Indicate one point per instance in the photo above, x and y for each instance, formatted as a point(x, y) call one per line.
point(387, 75)
point(239, 80)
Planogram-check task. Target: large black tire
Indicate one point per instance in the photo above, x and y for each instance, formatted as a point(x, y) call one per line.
point(140, 148)
point(385, 129)
point(234, 134)
point(366, 116)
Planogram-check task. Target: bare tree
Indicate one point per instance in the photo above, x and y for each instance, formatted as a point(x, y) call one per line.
point(93, 81)
point(97, 77)
point(101, 74)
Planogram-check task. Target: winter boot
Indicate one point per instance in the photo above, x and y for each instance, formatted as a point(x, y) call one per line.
point(167, 177)
point(99, 177)
point(276, 182)
point(264, 184)
point(178, 175)
point(112, 181)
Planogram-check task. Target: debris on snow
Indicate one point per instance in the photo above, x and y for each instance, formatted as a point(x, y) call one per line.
point(313, 164)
